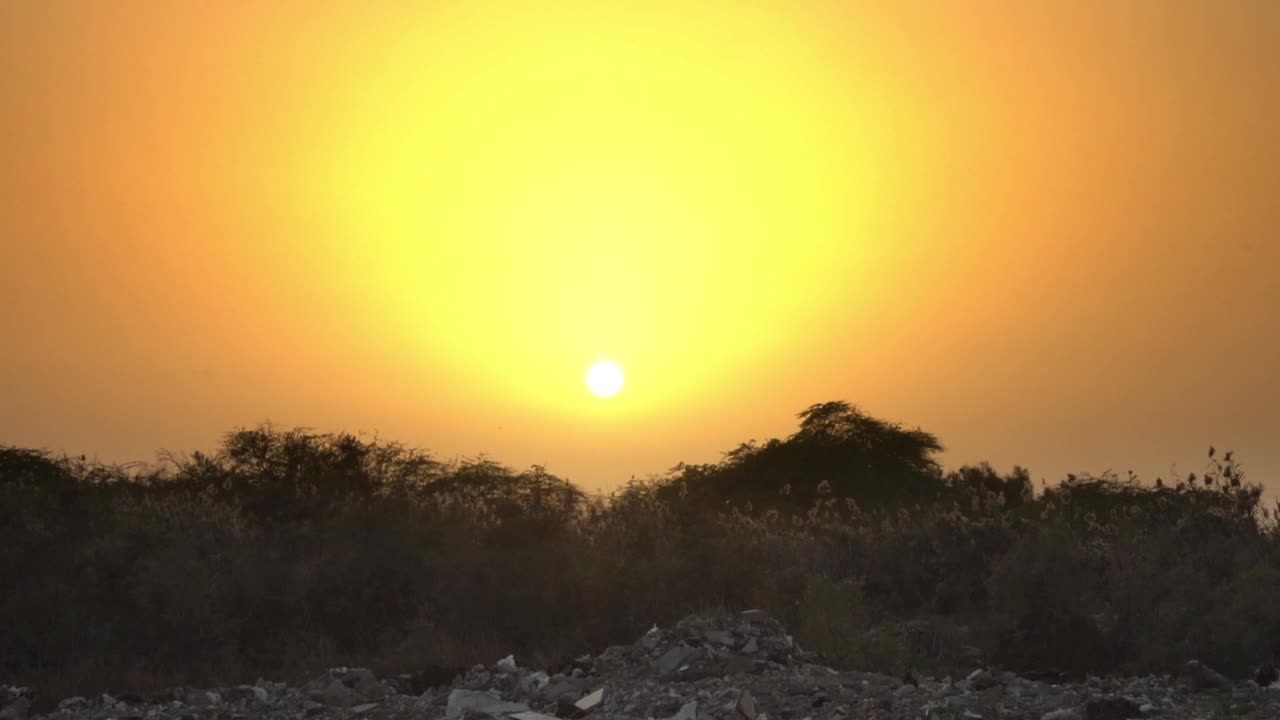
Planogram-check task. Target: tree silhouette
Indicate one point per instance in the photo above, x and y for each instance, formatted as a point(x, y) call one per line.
point(838, 451)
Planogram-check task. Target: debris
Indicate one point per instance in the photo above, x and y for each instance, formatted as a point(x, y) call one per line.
point(1266, 675)
point(688, 711)
point(981, 679)
point(1203, 677)
point(718, 667)
point(674, 659)
point(590, 701)
point(1113, 708)
point(746, 705)
point(463, 701)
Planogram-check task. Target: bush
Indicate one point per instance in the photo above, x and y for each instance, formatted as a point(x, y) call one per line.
point(288, 551)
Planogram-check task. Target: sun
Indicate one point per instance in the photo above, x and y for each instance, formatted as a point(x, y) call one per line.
point(605, 378)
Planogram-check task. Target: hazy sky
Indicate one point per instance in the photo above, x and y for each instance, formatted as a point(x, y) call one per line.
point(1048, 232)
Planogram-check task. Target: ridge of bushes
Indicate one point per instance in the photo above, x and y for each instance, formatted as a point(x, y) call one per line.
point(286, 551)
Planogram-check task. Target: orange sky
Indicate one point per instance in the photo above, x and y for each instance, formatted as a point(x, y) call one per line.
point(1048, 232)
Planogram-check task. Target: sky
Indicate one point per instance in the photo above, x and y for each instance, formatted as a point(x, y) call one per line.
point(1047, 232)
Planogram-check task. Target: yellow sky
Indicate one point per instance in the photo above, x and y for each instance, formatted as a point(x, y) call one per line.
point(1048, 232)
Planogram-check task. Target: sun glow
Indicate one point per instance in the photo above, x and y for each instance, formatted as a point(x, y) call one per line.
point(605, 379)
point(679, 187)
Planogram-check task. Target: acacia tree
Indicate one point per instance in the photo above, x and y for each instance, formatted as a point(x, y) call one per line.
point(838, 451)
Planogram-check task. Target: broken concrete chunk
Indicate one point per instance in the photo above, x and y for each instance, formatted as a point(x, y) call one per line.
point(590, 701)
point(675, 658)
point(463, 701)
point(1203, 677)
point(746, 706)
point(568, 711)
point(981, 680)
point(1115, 708)
point(723, 638)
point(363, 708)
point(532, 716)
point(507, 664)
point(16, 710)
point(751, 647)
point(688, 711)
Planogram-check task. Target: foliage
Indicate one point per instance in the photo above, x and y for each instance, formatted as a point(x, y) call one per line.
point(287, 551)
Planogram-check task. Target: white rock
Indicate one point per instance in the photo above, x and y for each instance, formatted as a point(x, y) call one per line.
point(591, 700)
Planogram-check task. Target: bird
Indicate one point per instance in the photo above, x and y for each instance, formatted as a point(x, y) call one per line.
point(1211, 451)
point(909, 678)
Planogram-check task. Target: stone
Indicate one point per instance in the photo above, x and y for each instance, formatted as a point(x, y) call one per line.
point(73, 704)
point(723, 638)
point(1203, 677)
point(588, 702)
point(16, 710)
point(1266, 675)
point(1115, 708)
point(674, 659)
point(474, 702)
point(746, 706)
point(331, 692)
point(688, 711)
point(981, 679)
point(568, 711)
point(718, 682)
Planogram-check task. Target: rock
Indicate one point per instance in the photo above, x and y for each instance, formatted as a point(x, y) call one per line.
point(590, 701)
point(723, 638)
point(688, 711)
point(532, 683)
point(674, 659)
point(463, 701)
point(507, 664)
point(709, 675)
point(1202, 677)
point(568, 711)
point(1266, 675)
point(981, 679)
point(1115, 708)
point(73, 704)
point(16, 709)
point(331, 692)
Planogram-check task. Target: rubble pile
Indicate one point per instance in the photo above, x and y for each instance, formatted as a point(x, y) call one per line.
point(741, 667)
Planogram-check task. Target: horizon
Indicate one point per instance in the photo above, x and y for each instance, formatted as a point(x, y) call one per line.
point(1046, 234)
